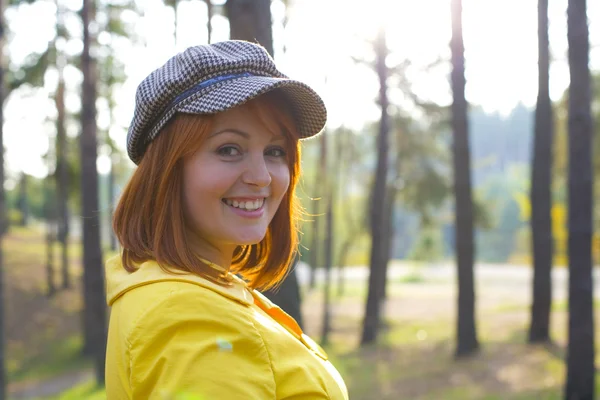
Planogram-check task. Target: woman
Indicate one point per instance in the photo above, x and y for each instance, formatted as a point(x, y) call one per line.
point(215, 136)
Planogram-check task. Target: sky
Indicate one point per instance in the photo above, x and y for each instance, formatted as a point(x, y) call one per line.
point(323, 39)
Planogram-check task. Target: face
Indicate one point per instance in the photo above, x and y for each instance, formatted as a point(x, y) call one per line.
point(234, 183)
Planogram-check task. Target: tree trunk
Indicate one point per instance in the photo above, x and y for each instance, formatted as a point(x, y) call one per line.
point(376, 275)
point(209, 15)
point(466, 332)
point(326, 328)
point(541, 191)
point(317, 191)
point(50, 236)
point(250, 20)
point(23, 201)
point(580, 354)
point(3, 222)
point(62, 178)
point(388, 235)
point(94, 310)
point(111, 206)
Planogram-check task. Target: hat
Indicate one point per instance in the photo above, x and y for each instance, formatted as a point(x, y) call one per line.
point(211, 78)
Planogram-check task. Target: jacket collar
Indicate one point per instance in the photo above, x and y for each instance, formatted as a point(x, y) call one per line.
point(119, 281)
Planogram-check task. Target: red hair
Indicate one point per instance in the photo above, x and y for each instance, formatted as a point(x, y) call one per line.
point(149, 219)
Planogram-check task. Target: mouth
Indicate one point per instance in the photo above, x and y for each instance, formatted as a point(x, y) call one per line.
point(245, 205)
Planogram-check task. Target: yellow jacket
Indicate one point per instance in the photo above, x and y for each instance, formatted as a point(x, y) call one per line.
point(172, 335)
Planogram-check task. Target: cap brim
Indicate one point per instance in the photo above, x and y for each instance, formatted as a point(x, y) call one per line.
point(307, 106)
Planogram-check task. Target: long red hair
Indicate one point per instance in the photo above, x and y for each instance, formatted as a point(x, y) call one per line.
point(149, 219)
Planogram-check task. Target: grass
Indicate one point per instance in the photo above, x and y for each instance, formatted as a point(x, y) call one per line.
point(56, 358)
point(84, 391)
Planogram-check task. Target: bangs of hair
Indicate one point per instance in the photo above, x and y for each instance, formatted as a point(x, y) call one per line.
point(149, 220)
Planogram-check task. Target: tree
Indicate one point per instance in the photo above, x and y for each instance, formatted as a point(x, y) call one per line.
point(209, 16)
point(50, 217)
point(378, 196)
point(251, 20)
point(580, 352)
point(330, 184)
point(321, 171)
point(23, 201)
point(94, 310)
point(2, 204)
point(466, 331)
point(541, 190)
point(62, 175)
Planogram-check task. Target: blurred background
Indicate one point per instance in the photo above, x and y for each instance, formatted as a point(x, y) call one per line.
point(452, 182)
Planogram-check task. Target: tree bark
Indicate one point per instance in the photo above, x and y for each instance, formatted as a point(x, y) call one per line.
point(3, 222)
point(94, 310)
point(467, 342)
point(209, 15)
point(111, 200)
point(49, 214)
point(580, 354)
point(251, 20)
point(62, 177)
point(23, 201)
point(541, 191)
point(376, 274)
point(326, 328)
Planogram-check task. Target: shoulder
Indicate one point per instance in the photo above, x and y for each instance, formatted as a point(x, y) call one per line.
point(164, 304)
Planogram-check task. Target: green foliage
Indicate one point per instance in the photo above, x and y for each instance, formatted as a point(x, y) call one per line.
point(429, 245)
point(500, 193)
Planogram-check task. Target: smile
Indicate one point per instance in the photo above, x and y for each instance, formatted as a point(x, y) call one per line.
point(247, 205)
point(252, 208)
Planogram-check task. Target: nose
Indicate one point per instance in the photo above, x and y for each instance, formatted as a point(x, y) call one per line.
point(257, 172)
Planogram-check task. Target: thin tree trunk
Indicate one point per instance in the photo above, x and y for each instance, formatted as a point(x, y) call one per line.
point(111, 206)
point(50, 257)
point(23, 201)
point(541, 195)
point(467, 342)
point(318, 188)
point(376, 275)
point(62, 178)
point(387, 237)
point(314, 246)
point(94, 311)
point(328, 261)
point(209, 15)
point(581, 353)
point(251, 20)
point(3, 222)
point(50, 236)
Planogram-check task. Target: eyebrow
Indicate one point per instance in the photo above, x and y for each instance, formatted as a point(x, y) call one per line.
point(245, 135)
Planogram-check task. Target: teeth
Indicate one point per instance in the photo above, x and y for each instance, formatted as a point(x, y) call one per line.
point(246, 205)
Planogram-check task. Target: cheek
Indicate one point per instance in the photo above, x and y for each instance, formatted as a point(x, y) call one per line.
point(203, 188)
point(280, 181)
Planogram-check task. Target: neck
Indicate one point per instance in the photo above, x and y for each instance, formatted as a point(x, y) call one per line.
point(219, 255)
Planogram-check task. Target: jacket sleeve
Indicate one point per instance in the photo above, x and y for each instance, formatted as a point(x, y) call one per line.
point(200, 344)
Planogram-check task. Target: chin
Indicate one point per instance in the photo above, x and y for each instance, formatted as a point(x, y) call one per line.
point(248, 238)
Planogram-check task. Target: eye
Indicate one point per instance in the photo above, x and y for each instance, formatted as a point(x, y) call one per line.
point(276, 152)
point(229, 151)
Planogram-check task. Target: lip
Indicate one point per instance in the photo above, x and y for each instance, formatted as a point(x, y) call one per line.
point(246, 213)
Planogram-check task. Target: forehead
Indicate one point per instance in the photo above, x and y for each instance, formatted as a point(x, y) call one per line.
point(252, 119)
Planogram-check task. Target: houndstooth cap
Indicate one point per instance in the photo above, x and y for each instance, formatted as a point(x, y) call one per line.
point(208, 79)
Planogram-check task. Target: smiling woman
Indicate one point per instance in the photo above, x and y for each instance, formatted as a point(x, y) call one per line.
point(208, 217)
